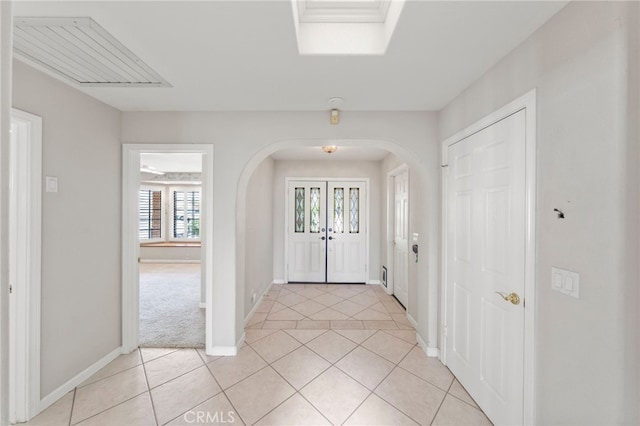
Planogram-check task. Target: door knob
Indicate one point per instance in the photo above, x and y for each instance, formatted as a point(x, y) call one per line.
point(512, 297)
point(331, 238)
point(322, 238)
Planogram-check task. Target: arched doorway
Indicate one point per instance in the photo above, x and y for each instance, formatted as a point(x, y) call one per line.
point(423, 306)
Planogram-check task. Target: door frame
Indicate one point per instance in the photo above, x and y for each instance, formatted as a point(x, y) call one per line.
point(391, 192)
point(131, 243)
point(287, 180)
point(527, 102)
point(25, 200)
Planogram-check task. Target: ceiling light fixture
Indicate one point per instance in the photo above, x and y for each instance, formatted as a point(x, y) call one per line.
point(334, 116)
point(147, 169)
point(329, 149)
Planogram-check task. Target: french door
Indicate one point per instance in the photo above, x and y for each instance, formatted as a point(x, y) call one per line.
point(326, 231)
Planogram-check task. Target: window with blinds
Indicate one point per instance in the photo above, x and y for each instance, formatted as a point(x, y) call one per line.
point(186, 214)
point(150, 213)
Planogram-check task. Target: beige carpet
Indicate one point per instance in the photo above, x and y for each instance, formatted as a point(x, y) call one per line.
point(170, 314)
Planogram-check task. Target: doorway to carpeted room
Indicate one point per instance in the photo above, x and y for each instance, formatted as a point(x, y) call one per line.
point(170, 313)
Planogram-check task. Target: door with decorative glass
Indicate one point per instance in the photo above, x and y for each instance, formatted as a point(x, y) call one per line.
point(326, 231)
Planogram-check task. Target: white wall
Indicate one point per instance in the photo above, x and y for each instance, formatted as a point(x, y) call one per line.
point(327, 169)
point(176, 254)
point(81, 306)
point(586, 349)
point(259, 237)
point(243, 140)
point(5, 125)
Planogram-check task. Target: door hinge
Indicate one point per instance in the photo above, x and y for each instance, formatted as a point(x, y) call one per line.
point(10, 289)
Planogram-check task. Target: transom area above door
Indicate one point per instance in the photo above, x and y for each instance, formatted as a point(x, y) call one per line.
point(326, 231)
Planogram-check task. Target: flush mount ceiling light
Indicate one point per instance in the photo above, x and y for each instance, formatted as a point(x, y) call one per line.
point(80, 50)
point(345, 27)
point(329, 149)
point(147, 169)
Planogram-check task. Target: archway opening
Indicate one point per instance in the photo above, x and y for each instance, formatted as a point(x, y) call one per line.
point(261, 255)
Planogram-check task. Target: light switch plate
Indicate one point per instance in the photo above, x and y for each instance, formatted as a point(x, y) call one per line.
point(51, 184)
point(565, 282)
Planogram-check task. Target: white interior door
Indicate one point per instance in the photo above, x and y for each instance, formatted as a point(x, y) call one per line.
point(486, 255)
point(401, 237)
point(346, 239)
point(307, 232)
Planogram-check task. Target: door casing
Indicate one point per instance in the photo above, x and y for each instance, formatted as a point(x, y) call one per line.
point(289, 179)
point(391, 191)
point(131, 243)
point(527, 103)
point(25, 248)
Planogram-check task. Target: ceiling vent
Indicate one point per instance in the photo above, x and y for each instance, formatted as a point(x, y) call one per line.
point(80, 50)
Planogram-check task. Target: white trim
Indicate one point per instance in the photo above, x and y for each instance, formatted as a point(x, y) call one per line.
point(430, 352)
point(288, 179)
point(256, 304)
point(391, 190)
point(412, 320)
point(79, 378)
point(130, 240)
point(374, 282)
point(527, 102)
point(278, 281)
point(202, 305)
point(223, 351)
point(25, 265)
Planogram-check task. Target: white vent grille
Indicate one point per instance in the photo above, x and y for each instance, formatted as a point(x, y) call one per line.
point(82, 51)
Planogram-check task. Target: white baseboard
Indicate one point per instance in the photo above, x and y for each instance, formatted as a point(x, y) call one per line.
point(256, 304)
point(227, 350)
point(203, 305)
point(413, 322)
point(170, 261)
point(374, 282)
point(431, 352)
point(223, 351)
point(278, 281)
point(240, 341)
point(67, 387)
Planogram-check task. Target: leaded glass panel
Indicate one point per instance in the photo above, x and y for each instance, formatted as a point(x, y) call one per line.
point(299, 210)
point(314, 210)
point(338, 210)
point(354, 210)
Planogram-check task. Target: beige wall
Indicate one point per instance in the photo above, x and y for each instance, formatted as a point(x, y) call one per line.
point(587, 159)
point(258, 258)
point(81, 312)
point(242, 140)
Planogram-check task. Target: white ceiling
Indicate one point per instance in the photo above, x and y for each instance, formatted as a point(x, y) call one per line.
point(172, 162)
point(242, 55)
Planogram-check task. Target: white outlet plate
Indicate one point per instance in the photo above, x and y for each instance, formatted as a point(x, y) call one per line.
point(565, 282)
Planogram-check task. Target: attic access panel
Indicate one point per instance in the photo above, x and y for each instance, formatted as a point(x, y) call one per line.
point(80, 50)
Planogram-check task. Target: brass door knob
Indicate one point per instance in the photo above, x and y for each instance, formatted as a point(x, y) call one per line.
point(512, 297)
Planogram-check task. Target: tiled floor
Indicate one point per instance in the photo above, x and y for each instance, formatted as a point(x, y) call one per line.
point(314, 355)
